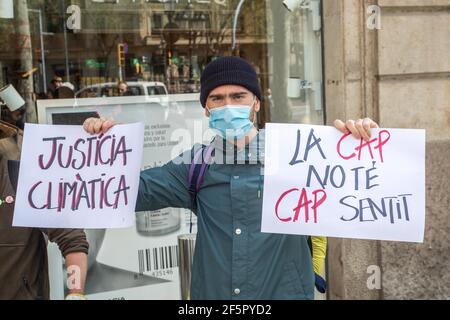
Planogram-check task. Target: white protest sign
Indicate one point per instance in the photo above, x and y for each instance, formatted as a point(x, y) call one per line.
point(70, 179)
point(321, 182)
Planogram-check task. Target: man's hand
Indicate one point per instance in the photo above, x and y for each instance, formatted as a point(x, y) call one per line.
point(96, 125)
point(359, 129)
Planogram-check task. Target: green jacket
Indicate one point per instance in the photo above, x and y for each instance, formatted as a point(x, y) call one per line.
point(233, 259)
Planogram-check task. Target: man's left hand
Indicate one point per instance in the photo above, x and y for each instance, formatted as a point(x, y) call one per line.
point(358, 128)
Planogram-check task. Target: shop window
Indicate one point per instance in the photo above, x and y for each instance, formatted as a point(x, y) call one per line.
point(170, 42)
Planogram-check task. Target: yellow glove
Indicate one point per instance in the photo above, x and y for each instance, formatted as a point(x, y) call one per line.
point(319, 251)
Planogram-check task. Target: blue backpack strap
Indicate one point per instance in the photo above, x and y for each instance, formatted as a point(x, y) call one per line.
point(197, 171)
point(194, 171)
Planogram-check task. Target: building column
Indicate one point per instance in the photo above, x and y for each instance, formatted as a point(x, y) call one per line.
point(350, 63)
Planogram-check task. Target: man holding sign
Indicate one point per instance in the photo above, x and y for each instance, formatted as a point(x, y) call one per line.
point(233, 258)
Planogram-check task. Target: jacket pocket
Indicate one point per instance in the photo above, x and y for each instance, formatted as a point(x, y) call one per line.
point(296, 281)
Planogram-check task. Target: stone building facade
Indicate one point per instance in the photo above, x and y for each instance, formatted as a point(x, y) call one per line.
point(400, 76)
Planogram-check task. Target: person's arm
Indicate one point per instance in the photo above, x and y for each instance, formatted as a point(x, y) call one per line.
point(319, 252)
point(165, 186)
point(74, 247)
point(76, 264)
point(159, 187)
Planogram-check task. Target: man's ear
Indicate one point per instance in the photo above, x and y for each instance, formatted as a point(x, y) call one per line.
point(207, 114)
point(257, 105)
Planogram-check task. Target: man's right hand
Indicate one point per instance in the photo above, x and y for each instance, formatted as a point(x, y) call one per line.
point(97, 126)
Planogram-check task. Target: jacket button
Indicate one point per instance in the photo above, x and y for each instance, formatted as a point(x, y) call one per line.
point(238, 231)
point(237, 291)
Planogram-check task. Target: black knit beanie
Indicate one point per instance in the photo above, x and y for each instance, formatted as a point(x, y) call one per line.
point(225, 71)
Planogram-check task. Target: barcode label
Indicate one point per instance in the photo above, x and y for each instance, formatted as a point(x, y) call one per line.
point(158, 259)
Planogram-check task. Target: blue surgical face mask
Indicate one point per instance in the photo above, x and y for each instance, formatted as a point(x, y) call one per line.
point(231, 121)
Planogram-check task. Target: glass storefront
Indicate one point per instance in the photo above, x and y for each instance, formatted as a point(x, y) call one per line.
point(162, 46)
